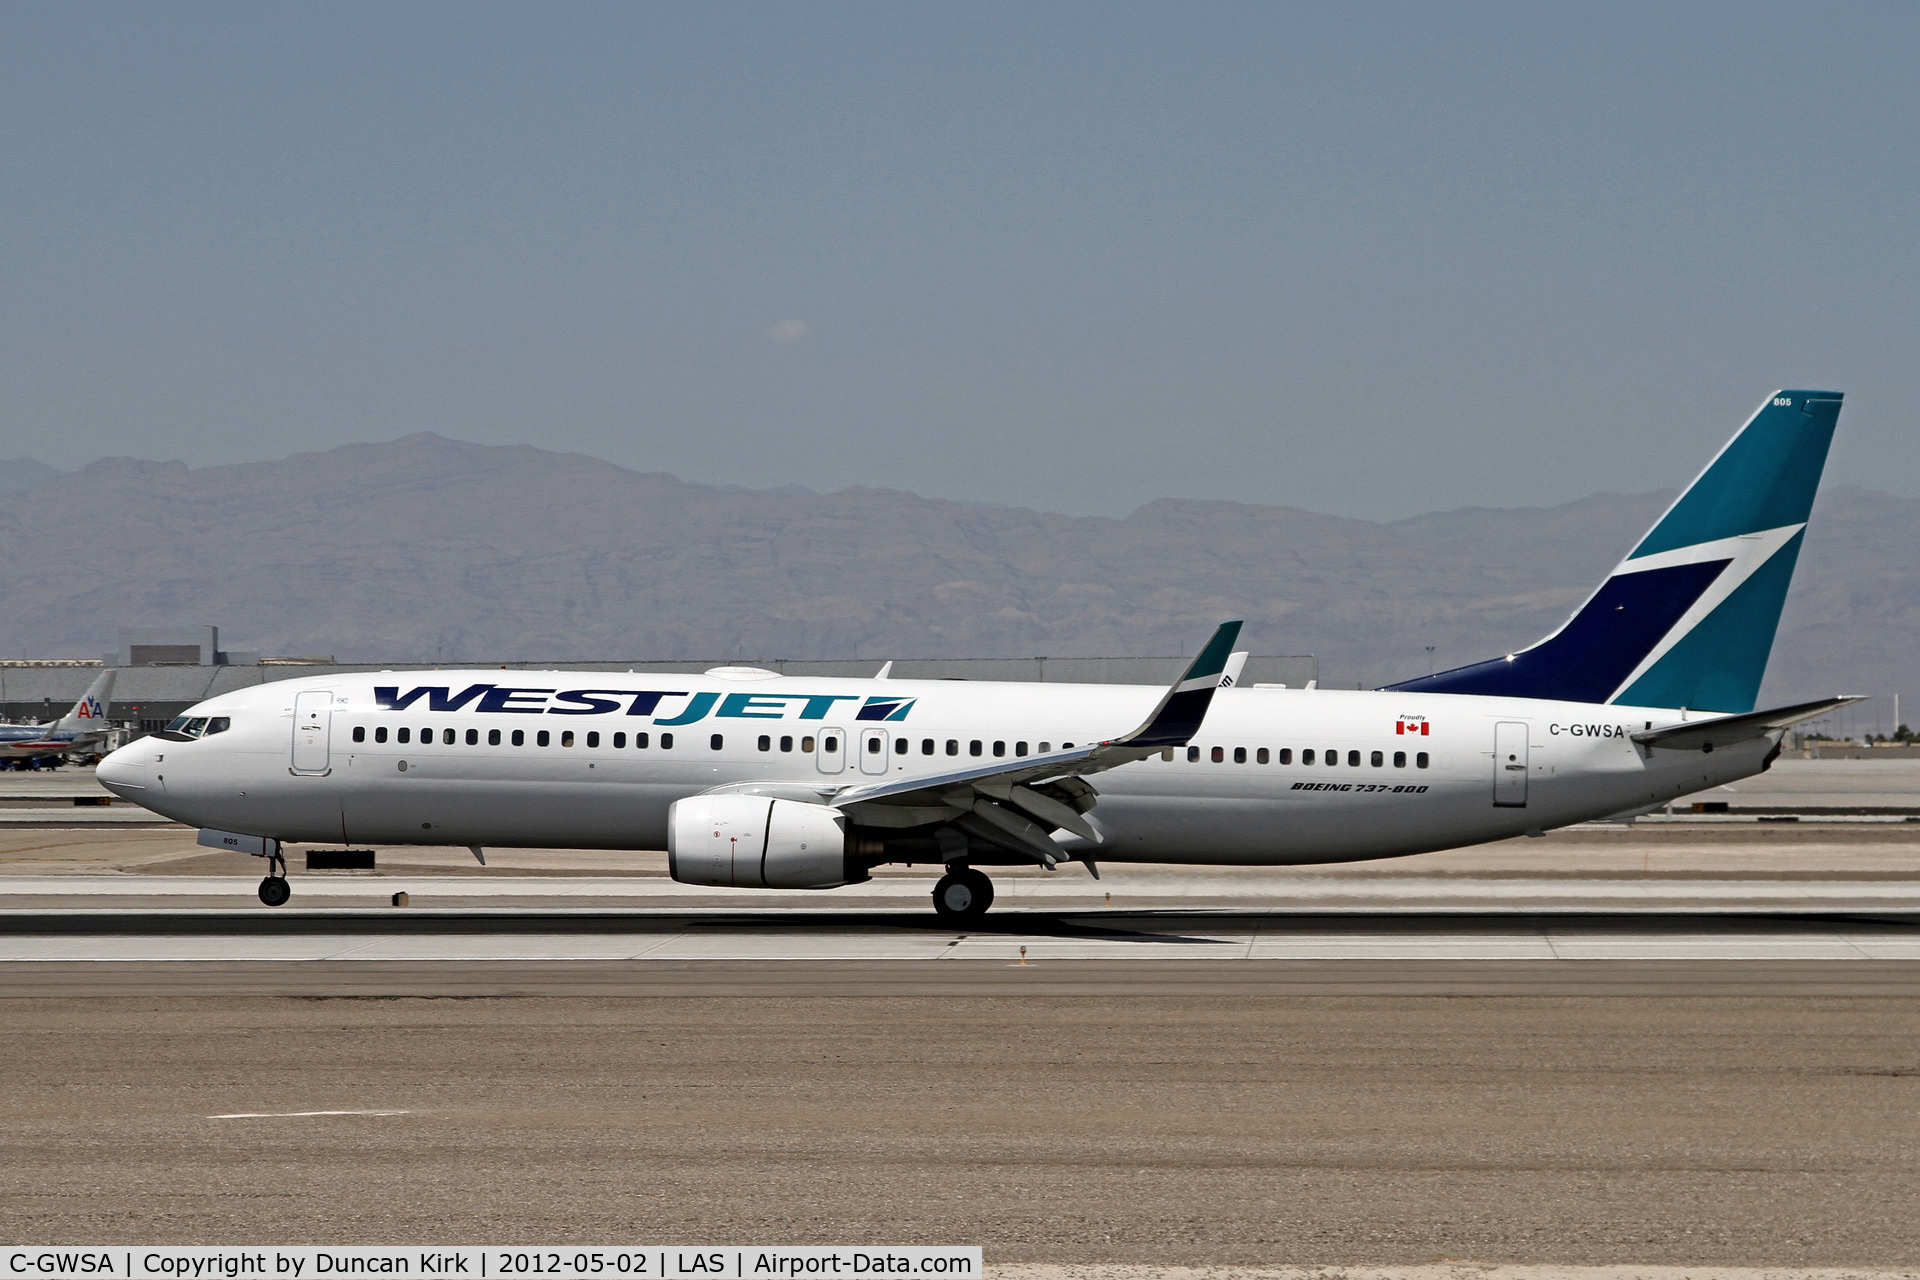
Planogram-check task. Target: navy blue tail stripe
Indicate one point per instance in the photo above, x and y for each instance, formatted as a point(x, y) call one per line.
point(1593, 654)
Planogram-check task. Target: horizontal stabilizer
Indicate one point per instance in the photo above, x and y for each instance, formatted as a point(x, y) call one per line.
point(1705, 735)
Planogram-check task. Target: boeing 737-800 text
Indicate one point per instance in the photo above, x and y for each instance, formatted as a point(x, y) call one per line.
point(756, 780)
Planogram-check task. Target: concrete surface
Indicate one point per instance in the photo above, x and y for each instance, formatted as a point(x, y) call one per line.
point(1032, 937)
point(1238, 1127)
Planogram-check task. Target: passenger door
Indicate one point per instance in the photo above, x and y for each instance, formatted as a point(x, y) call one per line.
point(873, 750)
point(1510, 765)
point(312, 729)
point(832, 754)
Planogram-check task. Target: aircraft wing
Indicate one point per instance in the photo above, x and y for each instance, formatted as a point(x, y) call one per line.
point(1705, 735)
point(1018, 803)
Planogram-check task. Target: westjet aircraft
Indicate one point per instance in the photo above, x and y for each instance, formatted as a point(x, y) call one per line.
point(756, 780)
point(84, 726)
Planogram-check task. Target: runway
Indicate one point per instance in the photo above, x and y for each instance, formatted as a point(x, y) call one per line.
point(1610, 1047)
point(1028, 938)
point(1160, 1112)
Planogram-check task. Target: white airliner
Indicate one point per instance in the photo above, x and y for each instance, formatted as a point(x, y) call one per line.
point(83, 727)
point(756, 780)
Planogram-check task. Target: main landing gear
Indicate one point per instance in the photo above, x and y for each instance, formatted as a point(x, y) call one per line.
point(962, 896)
point(274, 890)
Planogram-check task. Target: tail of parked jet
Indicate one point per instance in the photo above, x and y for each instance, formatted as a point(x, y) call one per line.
point(89, 715)
point(1687, 619)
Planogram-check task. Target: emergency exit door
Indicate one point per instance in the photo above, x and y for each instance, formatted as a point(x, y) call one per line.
point(312, 728)
point(1510, 765)
point(831, 756)
point(873, 750)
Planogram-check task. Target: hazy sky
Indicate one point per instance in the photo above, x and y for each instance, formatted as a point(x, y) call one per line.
point(1368, 259)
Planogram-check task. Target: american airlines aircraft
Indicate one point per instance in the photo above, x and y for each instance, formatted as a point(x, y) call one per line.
point(82, 727)
point(755, 780)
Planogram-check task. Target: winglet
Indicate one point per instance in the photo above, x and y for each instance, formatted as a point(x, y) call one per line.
point(1179, 714)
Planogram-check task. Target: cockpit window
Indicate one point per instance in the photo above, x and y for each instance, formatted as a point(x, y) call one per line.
point(199, 726)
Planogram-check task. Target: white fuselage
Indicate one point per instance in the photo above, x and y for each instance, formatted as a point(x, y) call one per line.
point(322, 760)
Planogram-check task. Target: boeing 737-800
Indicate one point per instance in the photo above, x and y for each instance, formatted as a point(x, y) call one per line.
point(755, 780)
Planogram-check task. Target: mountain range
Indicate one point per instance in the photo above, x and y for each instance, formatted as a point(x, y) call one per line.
point(430, 549)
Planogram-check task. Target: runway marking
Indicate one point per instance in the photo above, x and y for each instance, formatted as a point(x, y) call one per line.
point(289, 1115)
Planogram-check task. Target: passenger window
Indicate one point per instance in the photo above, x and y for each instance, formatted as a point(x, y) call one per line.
point(446, 736)
point(473, 737)
point(493, 737)
point(1261, 756)
point(1219, 755)
point(1420, 761)
point(806, 745)
point(1019, 748)
point(403, 735)
point(1377, 760)
point(786, 743)
point(717, 741)
point(1193, 755)
point(1066, 746)
point(519, 737)
point(380, 733)
point(1353, 759)
point(1306, 757)
point(953, 746)
point(926, 746)
point(874, 745)
point(973, 748)
point(1167, 755)
point(566, 738)
point(542, 738)
point(593, 739)
point(359, 733)
point(766, 743)
point(1239, 755)
point(1286, 756)
point(1399, 759)
point(999, 748)
point(619, 741)
point(1044, 748)
point(640, 742)
point(1332, 758)
point(901, 746)
point(666, 742)
point(830, 744)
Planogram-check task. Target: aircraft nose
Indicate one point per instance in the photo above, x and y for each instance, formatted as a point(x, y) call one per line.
point(124, 772)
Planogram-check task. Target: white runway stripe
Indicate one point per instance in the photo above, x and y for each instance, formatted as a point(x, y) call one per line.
point(288, 1115)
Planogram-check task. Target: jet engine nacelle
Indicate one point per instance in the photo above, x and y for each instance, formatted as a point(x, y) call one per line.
point(752, 842)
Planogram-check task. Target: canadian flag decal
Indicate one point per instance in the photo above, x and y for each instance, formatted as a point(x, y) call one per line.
point(1411, 724)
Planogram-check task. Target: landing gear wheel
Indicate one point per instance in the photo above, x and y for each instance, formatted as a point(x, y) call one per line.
point(962, 896)
point(274, 891)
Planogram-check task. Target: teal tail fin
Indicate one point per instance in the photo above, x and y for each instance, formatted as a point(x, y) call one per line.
point(1687, 619)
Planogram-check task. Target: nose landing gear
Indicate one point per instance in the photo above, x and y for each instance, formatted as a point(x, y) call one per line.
point(962, 896)
point(274, 889)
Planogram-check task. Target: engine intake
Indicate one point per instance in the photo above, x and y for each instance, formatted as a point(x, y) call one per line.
point(751, 842)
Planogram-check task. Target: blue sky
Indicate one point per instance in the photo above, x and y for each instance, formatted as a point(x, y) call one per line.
point(1368, 259)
